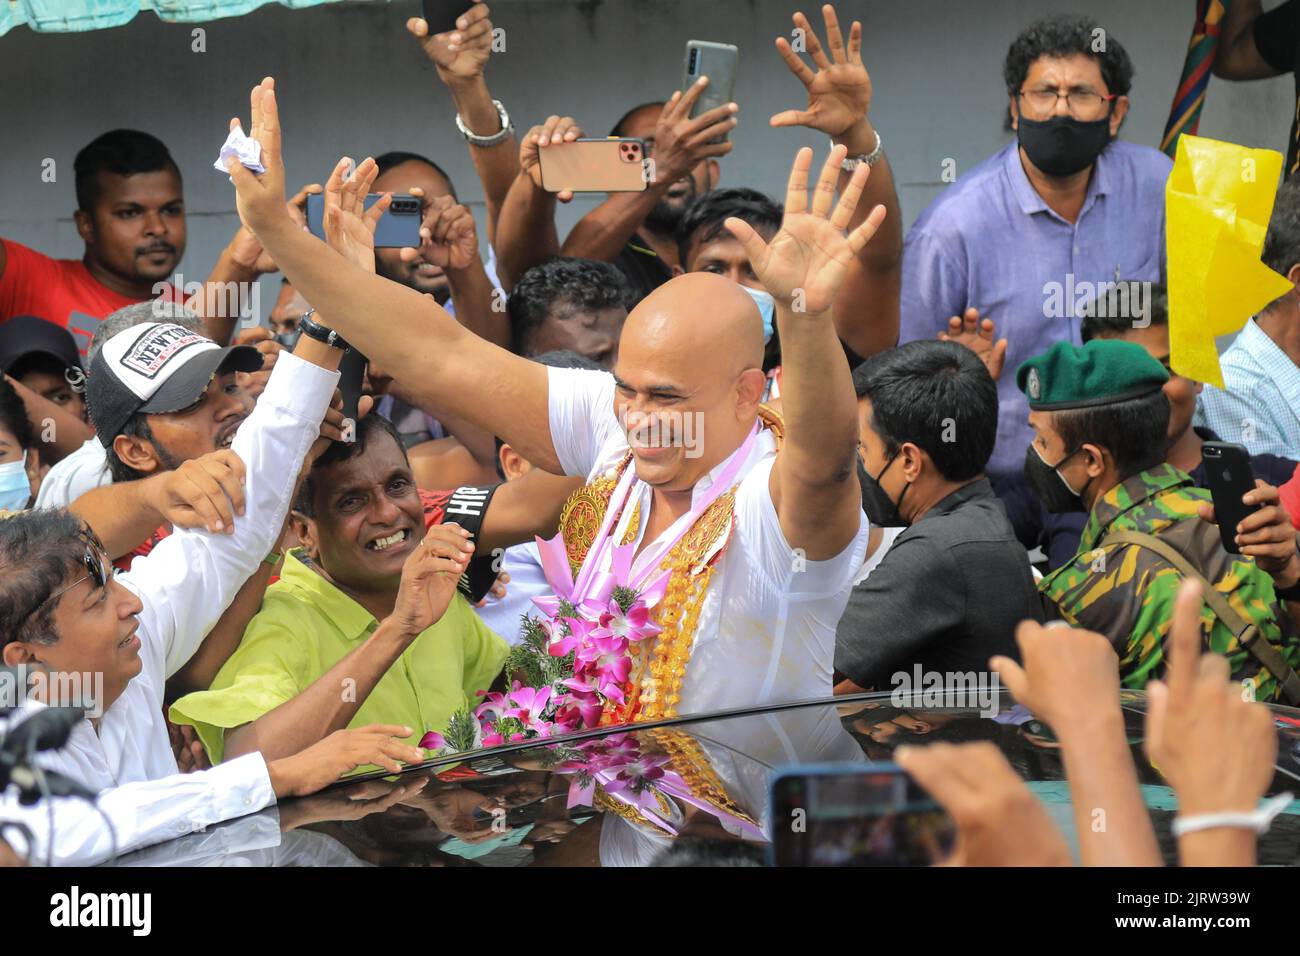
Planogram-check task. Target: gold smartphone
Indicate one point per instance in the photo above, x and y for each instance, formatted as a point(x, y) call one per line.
point(609, 165)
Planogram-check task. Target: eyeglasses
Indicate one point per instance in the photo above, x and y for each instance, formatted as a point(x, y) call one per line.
point(1083, 104)
point(98, 569)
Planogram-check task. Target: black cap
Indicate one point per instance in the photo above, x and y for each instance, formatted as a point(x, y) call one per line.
point(25, 335)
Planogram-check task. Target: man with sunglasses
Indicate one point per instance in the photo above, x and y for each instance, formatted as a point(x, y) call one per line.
point(62, 611)
point(1029, 234)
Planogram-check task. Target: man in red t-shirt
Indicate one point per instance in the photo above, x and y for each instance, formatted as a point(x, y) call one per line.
point(130, 215)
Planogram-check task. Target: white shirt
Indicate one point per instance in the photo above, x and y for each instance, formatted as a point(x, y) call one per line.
point(767, 623)
point(527, 581)
point(185, 584)
point(84, 470)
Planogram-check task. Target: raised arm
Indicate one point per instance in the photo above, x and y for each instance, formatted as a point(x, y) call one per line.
point(681, 143)
point(1238, 58)
point(408, 334)
point(814, 485)
point(839, 98)
point(526, 233)
point(67, 432)
point(461, 58)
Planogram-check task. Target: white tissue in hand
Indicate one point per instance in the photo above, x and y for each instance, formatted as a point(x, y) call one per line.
point(244, 148)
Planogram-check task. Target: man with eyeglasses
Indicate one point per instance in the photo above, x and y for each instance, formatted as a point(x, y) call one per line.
point(63, 613)
point(1031, 233)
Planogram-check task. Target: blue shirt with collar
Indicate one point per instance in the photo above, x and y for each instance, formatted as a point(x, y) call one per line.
point(1260, 405)
point(990, 241)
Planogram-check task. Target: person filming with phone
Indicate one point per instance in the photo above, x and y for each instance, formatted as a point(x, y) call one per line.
point(1100, 420)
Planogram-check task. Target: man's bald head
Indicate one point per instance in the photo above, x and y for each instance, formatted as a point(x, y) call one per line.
point(689, 376)
point(703, 316)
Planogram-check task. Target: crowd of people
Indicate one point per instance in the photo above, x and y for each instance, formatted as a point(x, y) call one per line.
point(832, 453)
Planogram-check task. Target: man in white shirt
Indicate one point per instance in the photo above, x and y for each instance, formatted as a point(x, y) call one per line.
point(690, 357)
point(62, 612)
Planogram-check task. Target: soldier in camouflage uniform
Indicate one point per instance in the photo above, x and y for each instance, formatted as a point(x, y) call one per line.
point(1100, 418)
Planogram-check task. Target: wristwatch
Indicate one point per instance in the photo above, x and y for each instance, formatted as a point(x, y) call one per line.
point(314, 330)
point(500, 136)
point(853, 162)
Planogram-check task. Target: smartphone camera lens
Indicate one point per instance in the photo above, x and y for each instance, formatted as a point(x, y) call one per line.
point(695, 63)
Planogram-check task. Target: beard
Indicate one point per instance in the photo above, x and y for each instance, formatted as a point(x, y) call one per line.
point(668, 211)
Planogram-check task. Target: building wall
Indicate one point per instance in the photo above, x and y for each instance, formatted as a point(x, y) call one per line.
point(352, 82)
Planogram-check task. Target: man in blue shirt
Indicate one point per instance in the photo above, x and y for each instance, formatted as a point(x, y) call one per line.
point(1034, 231)
point(1259, 405)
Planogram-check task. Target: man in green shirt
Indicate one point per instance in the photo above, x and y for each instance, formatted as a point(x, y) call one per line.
point(1100, 425)
point(357, 626)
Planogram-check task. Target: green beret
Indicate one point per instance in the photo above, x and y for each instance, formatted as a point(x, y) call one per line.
point(1101, 372)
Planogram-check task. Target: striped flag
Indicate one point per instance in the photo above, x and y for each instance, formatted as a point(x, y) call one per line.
point(1185, 114)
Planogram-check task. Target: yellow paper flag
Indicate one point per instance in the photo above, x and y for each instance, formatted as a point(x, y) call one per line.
point(1217, 203)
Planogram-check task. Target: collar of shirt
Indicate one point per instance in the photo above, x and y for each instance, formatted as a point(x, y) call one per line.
point(1126, 496)
point(352, 620)
point(979, 488)
point(1276, 364)
point(1028, 198)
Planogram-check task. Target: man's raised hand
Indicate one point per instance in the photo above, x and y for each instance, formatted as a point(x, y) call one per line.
point(1069, 676)
point(430, 577)
point(1215, 748)
point(259, 197)
point(461, 54)
point(349, 226)
point(806, 261)
point(205, 492)
point(449, 238)
point(556, 130)
point(839, 91)
point(999, 821)
point(980, 337)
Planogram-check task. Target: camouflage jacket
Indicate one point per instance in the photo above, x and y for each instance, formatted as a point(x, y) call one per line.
point(1127, 592)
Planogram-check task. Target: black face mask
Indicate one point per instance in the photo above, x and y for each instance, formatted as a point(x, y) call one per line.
point(1063, 145)
point(1057, 496)
point(881, 510)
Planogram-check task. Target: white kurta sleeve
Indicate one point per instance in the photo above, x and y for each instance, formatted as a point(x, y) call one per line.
point(188, 580)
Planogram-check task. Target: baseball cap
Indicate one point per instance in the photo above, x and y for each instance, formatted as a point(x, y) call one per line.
point(25, 335)
point(156, 368)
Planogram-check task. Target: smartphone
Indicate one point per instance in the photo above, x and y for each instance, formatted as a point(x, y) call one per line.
point(1227, 468)
point(399, 226)
point(717, 61)
point(856, 815)
point(352, 373)
point(441, 15)
point(610, 165)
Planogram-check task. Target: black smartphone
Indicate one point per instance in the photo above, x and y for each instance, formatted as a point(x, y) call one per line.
point(352, 374)
point(1228, 471)
point(856, 815)
point(398, 227)
point(441, 15)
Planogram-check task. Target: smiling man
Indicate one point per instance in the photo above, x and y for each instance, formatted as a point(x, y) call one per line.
point(335, 644)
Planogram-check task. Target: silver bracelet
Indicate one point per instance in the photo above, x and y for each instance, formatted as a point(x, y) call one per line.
point(1258, 820)
point(853, 162)
point(500, 136)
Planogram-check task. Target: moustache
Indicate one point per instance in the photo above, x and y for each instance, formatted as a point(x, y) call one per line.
point(166, 247)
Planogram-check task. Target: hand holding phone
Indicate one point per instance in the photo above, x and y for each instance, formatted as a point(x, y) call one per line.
point(717, 61)
point(610, 165)
point(398, 227)
point(856, 815)
point(1229, 475)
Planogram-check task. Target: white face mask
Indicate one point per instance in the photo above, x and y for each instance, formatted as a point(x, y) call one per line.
point(15, 487)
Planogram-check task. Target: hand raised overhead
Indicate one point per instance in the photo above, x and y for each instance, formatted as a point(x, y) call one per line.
point(807, 260)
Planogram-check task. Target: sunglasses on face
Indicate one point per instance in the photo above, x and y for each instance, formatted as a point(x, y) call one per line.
point(98, 570)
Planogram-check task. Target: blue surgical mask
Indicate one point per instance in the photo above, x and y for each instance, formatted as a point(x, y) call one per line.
point(766, 308)
point(15, 488)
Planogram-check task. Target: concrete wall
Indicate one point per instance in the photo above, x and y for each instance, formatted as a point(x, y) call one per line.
point(352, 82)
